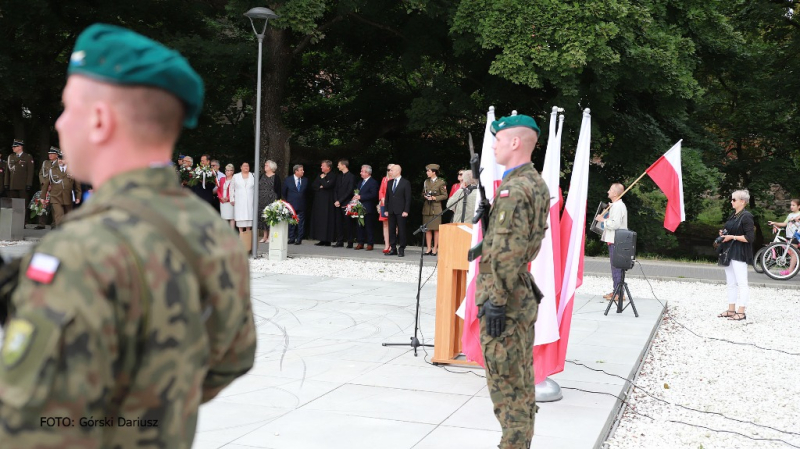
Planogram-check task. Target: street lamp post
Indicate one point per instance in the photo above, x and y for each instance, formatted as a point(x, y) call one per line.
point(258, 14)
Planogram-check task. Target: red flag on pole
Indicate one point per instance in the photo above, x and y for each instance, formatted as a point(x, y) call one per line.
point(666, 173)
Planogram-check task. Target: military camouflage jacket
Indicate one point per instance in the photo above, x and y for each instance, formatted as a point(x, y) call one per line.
point(84, 344)
point(517, 225)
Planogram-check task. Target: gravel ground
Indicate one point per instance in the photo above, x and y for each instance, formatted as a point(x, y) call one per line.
point(14, 242)
point(739, 382)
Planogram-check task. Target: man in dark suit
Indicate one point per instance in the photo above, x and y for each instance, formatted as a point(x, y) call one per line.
point(342, 194)
point(398, 204)
point(294, 193)
point(368, 195)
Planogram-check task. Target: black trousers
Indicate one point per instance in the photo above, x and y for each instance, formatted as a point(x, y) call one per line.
point(296, 231)
point(366, 233)
point(345, 227)
point(397, 230)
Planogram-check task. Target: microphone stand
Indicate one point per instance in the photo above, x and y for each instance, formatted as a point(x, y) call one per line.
point(422, 229)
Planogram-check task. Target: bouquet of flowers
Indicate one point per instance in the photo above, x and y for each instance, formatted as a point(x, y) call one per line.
point(279, 211)
point(39, 205)
point(355, 209)
point(186, 174)
point(201, 174)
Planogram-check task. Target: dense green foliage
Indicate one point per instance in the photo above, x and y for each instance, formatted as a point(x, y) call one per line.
point(383, 81)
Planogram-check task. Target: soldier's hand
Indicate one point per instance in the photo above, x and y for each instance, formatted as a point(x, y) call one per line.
point(495, 318)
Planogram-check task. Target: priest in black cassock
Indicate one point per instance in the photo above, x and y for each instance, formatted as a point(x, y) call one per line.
point(323, 210)
point(343, 193)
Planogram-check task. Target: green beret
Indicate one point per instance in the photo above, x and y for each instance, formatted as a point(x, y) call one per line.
point(514, 121)
point(116, 55)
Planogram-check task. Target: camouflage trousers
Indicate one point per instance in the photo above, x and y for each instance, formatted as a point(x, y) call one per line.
point(509, 376)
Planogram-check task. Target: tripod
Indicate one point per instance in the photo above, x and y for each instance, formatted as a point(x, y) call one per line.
point(618, 296)
point(414, 343)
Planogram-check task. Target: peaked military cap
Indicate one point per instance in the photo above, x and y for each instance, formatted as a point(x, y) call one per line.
point(17, 143)
point(432, 167)
point(60, 155)
point(514, 121)
point(120, 56)
point(53, 150)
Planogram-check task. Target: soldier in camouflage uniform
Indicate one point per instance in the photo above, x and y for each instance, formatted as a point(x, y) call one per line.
point(121, 322)
point(507, 297)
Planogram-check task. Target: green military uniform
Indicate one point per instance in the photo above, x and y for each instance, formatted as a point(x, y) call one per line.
point(431, 208)
point(44, 172)
point(64, 190)
point(18, 178)
point(517, 225)
point(137, 309)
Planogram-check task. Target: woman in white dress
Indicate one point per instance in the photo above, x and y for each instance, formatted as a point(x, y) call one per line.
point(244, 188)
point(227, 195)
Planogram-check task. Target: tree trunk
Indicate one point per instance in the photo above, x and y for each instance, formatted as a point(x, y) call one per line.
point(275, 74)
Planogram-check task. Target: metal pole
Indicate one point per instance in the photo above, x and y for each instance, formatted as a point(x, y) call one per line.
point(258, 151)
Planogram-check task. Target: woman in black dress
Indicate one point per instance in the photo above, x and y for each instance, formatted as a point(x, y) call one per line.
point(269, 190)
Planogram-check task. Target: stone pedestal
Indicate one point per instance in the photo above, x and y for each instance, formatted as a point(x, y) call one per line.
point(12, 218)
point(279, 241)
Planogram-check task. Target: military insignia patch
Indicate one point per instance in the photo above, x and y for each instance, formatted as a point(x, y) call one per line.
point(19, 335)
point(503, 193)
point(78, 58)
point(502, 216)
point(43, 268)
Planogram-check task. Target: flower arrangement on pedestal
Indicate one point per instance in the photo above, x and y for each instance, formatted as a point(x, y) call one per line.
point(279, 211)
point(355, 209)
point(39, 205)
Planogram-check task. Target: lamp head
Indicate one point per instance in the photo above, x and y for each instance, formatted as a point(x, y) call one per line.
point(261, 13)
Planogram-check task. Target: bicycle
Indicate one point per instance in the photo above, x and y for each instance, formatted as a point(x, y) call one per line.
point(776, 259)
point(757, 264)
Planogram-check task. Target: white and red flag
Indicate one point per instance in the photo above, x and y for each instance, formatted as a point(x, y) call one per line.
point(546, 268)
point(573, 235)
point(491, 176)
point(666, 173)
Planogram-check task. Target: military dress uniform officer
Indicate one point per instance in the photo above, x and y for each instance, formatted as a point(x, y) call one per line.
point(18, 178)
point(507, 297)
point(119, 316)
point(44, 172)
point(65, 191)
point(434, 191)
point(3, 170)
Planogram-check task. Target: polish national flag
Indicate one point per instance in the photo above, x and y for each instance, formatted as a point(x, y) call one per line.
point(543, 268)
point(491, 176)
point(666, 173)
point(573, 236)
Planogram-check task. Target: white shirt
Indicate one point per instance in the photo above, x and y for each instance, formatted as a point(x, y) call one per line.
point(617, 219)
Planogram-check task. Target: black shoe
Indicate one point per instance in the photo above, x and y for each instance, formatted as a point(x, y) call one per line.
point(401, 252)
point(327, 244)
point(297, 242)
point(350, 245)
point(392, 252)
point(319, 244)
point(39, 227)
point(338, 245)
point(290, 242)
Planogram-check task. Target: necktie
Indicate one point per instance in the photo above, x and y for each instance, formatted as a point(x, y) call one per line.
point(362, 184)
point(394, 187)
point(298, 184)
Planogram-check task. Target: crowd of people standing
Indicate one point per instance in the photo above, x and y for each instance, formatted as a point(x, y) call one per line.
point(322, 203)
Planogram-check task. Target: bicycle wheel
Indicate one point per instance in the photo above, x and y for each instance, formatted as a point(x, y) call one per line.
point(758, 264)
point(778, 259)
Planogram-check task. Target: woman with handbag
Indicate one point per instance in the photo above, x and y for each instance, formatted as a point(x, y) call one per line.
point(736, 253)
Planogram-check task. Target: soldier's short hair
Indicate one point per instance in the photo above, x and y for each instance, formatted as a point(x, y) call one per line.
point(153, 115)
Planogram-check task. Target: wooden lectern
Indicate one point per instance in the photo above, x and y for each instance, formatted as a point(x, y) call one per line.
point(454, 243)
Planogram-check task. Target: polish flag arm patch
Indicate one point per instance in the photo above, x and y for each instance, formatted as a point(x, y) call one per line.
point(503, 193)
point(43, 268)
